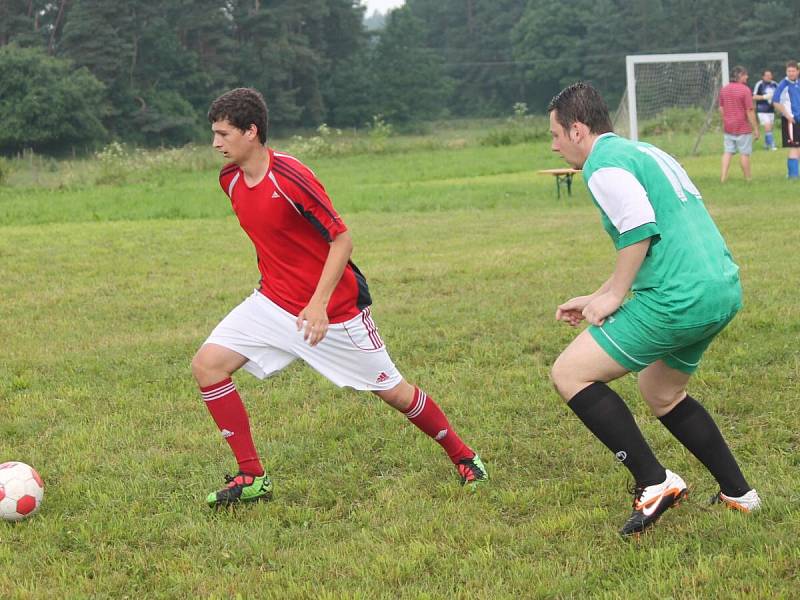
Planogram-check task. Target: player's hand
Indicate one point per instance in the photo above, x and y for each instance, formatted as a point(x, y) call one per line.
point(756, 135)
point(601, 306)
point(314, 318)
point(571, 311)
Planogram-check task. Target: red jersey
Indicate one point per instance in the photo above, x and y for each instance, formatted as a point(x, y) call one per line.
point(735, 100)
point(291, 221)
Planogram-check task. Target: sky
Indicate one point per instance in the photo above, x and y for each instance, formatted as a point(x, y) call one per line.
point(381, 5)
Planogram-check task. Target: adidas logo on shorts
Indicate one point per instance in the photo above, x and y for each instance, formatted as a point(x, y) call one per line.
point(382, 377)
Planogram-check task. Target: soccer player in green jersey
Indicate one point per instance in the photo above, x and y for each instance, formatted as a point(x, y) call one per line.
point(685, 287)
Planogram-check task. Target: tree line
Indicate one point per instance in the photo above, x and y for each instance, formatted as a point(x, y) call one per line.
point(82, 72)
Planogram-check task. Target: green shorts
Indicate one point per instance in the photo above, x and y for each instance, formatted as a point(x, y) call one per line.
point(632, 338)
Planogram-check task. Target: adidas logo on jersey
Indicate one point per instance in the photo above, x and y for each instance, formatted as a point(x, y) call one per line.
point(276, 195)
point(382, 377)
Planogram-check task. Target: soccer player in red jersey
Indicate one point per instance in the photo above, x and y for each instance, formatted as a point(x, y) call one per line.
point(312, 302)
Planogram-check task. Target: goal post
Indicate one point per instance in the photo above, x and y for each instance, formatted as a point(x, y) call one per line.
point(657, 82)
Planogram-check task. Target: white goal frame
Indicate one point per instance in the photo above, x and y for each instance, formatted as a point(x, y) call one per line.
point(630, 65)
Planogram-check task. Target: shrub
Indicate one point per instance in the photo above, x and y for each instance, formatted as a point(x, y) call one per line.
point(520, 128)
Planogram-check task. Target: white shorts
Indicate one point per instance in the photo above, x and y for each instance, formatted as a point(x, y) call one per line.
point(352, 354)
point(766, 118)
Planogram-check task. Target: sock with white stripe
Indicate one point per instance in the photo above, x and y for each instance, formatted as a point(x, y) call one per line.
point(230, 415)
point(426, 414)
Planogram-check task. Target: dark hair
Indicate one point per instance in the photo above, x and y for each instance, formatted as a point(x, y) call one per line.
point(765, 71)
point(737, 72)
point(581, 103)
point(242, 107)
point(791, 63)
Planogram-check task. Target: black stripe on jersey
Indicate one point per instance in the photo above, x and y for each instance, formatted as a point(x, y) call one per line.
point(314, 221)
point(298, 178)
point(227, 169)
point(364, 299)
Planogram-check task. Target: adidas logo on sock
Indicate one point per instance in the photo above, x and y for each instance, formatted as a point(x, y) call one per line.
point(226, 433)
point(440, 436)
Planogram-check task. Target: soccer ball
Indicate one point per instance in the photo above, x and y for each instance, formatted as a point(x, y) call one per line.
point(21, 491)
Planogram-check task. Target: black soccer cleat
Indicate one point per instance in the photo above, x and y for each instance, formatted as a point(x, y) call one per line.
point(650, 502)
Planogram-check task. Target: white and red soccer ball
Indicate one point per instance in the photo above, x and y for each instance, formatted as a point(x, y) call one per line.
point(21, 491)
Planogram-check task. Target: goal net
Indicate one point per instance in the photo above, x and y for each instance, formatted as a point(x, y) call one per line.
point(671, 93)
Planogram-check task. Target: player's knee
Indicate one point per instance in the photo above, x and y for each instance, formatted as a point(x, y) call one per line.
point(560, 376)
point(399, 397)
point(203, 367)
point(661, 400)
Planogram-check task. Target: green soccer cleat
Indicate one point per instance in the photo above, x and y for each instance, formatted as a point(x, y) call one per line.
point(471, 471)
point(242, 488)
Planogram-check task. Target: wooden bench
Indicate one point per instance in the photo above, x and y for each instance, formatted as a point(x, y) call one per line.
point(563, 177)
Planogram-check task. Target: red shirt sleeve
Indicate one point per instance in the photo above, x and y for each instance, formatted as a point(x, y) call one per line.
point(226, 175)
point(308, 195)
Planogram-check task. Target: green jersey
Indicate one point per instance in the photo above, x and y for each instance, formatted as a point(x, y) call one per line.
point(688, 277)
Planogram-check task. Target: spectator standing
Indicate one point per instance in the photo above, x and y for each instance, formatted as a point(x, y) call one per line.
point(739, 122)
point(763, 92)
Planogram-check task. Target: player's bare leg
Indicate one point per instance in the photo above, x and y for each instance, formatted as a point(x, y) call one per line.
point(212, 368)
point(726, 163)
point(423, 412)
point(580, 374)
point(213, 363)
point(664, 390)
point(581, 364)
point(744, 160)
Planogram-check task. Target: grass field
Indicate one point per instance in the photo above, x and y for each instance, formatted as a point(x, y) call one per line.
point(107, 291)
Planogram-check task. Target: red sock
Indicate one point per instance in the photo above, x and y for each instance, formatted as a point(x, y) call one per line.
point(426, 414)
point(229, 414)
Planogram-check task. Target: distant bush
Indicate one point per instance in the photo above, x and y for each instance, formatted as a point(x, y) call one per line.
point(379, 132)
point(119, 163)
point(520, 128)
point(331, 142)
point(678, 120)
point(5, 169)
point(46, 103)
point(115, 164)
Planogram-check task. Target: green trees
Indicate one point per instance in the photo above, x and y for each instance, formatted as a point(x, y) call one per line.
point(161, 64)
point(46, 103)
point(409, 77)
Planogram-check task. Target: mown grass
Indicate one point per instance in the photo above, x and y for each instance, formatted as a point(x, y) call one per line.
point(108, 290)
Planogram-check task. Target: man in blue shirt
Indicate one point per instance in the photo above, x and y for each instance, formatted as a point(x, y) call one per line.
point(786, 101)
point(763, 91)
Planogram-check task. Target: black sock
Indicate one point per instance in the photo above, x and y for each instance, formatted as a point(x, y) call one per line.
point(691, 424)
point(609, 419)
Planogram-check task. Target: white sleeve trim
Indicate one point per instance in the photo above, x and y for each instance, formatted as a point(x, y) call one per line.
point(233, 183)
point(622, 198)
